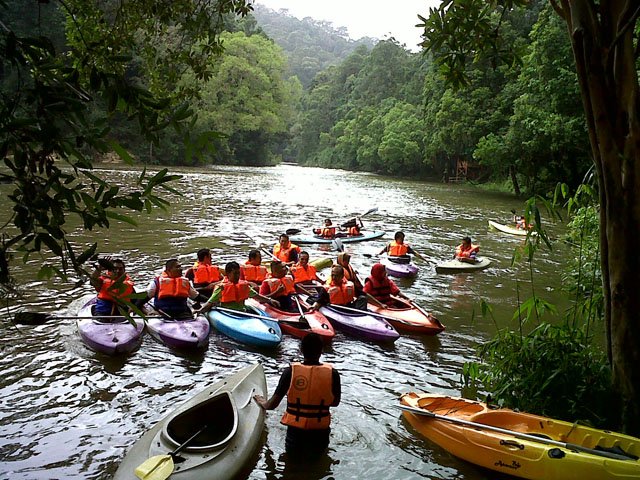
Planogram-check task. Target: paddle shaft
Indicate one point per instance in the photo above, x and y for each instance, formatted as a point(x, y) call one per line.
point(523, 436)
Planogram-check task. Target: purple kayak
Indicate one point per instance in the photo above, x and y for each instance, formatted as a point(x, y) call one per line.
point(180, 334)
point(108, 335)
point(362, 325)
point(401, 267)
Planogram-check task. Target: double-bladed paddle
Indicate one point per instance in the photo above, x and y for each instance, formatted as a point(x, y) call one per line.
point(524, 436)
point(295, 231)
point(160, 467)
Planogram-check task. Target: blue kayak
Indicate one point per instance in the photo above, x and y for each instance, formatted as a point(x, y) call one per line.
point(255, 327)
point(366, 235)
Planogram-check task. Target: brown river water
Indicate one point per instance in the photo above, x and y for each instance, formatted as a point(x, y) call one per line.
point(68, 413)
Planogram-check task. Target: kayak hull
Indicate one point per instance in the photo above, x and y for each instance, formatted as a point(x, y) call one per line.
point(456, 266)
point(257, 332)
point(179, 334)
point(399, 268)
point(366, 236)
point(117, 337)
point(290, 323)
point(407, 318)
point(228, 447)
point(510, 230)
point(321, 263)
point(524, 458)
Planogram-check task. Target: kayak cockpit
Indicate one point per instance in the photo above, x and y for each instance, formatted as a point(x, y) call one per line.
point(218, 414)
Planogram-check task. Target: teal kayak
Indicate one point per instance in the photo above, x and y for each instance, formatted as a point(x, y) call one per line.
point(365, 236)
point(255, 327)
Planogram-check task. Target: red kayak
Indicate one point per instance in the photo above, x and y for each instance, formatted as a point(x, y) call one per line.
point(409, 318)
point(292, 324)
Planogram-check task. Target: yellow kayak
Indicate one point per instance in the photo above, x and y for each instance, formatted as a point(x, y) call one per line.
point(521, 444)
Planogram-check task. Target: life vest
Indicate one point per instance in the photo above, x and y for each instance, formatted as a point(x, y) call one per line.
point(253, 273)
point(397, 249)
point(461, 253)
point(175, 287)
point(354, 231)
point(381, 291)
point(205, 273)
point(113, 289)
point(283, 254)
point(301, 274)
point(328, 232)
point(341, 294)
point(286, 282)
point(309, 396)
point(235, 292)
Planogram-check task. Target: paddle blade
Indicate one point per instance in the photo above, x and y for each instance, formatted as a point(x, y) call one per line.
point(158, 467)
point(292, 231)
point(30, 318)
point(374, 209)
point(337, 244)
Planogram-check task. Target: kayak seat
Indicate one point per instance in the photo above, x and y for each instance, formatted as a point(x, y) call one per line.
point(217, 413)
point(403, 260)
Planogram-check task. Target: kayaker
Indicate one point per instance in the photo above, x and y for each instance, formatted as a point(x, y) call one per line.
point(380, 286)
point(311, 388)
point(398, 248)
point(204, 275)
point(341, 291)
point(232, 292)
point(113, 289)
point(349, 272)
point(520, 221)
point(286, 251)
point(353, 226)
point(303, 272)
point(328, 231)
point(252, 270)
point(466, 251)
point(171, 290)
point(279, 286)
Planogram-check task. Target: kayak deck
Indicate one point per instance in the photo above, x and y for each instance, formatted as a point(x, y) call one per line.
point(456, 266)
point(257, 332)
point(405, 317)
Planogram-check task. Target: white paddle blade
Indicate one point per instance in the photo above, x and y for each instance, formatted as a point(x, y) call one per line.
point(158, 467)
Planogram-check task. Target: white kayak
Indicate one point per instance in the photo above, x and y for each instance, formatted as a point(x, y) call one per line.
point(509, 229)
point(232, 424)
point(456, 266)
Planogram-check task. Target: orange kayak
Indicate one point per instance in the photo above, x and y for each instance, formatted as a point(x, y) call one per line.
point(408, 318)
point(521, 444)
point(290, 322)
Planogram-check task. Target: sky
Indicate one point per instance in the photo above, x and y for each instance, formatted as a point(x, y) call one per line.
point(364, 18)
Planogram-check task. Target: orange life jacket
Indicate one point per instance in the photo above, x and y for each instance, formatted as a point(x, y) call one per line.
point(235, 292)
point(397, 249)
point(341, 294)
point(286, 282)
point(309, 396)
point(301, 274)
point(177, 287)
point(353, 231)
point(113, 289)
point(205, 273)
point(462, 253)
point(253, 273)
point(328, 232)
point(283, 254)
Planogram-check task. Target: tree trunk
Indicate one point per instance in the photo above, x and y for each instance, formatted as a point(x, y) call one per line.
point(605, 64)
point(514, 180)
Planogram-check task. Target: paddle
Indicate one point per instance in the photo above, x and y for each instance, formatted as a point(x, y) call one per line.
point(160, 467)
point(76, 317)
point(523, 436)
point(352, 222)
point(302, 317)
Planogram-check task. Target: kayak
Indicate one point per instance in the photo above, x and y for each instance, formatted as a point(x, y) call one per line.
point(322, 262)
point(291, 323)
point(257, 332)
point(404, 316)
point(401, 267)
point(456, 266)
point(114, 336)
point(180, 334)
point(365, 236)
point(227, 447)
point(509, 229)
point(521, 444)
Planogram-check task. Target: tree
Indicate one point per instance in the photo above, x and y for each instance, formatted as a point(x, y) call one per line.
point(604, 40)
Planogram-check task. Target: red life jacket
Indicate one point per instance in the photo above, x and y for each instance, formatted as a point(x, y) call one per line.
point(341, 294)
point(112, 289)
point(286, 282)
point(176, 287)
point(235, 292)
point(301, 274)
point(466, 253)
point(253, 273)
point(309, 396)
point(397, 249)
point(205, 273)
point(283, 254)
point(381, 291)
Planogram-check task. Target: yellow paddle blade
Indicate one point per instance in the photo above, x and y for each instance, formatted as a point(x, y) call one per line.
point(158, 467)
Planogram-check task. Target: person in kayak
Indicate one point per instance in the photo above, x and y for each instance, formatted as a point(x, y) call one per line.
point(232, 292)
point(398, 248)
point(340, 292)
point(520, 221)
point(204, 275)
point(328, 231)
point(350, 273)
point(114, 289)
point(280, 286)
point(285, 251)
point(303, 272)
point(381, 287)
point(252, 270)
point(311, 388)
point(466, 251)
point(171, 290)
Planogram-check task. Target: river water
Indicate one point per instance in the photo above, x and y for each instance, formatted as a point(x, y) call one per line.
point(68, 413)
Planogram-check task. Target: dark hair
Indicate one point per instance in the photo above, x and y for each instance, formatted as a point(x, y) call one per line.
point(117, 262)
point(169, 263)
point(274, 264)
point(466, 239)
point(311, 346)
point(255, 253)
point(230, 267)
point(202, 253)
point(284, 235)
point(303, 252)
point(328, 220)
point(398, 234)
